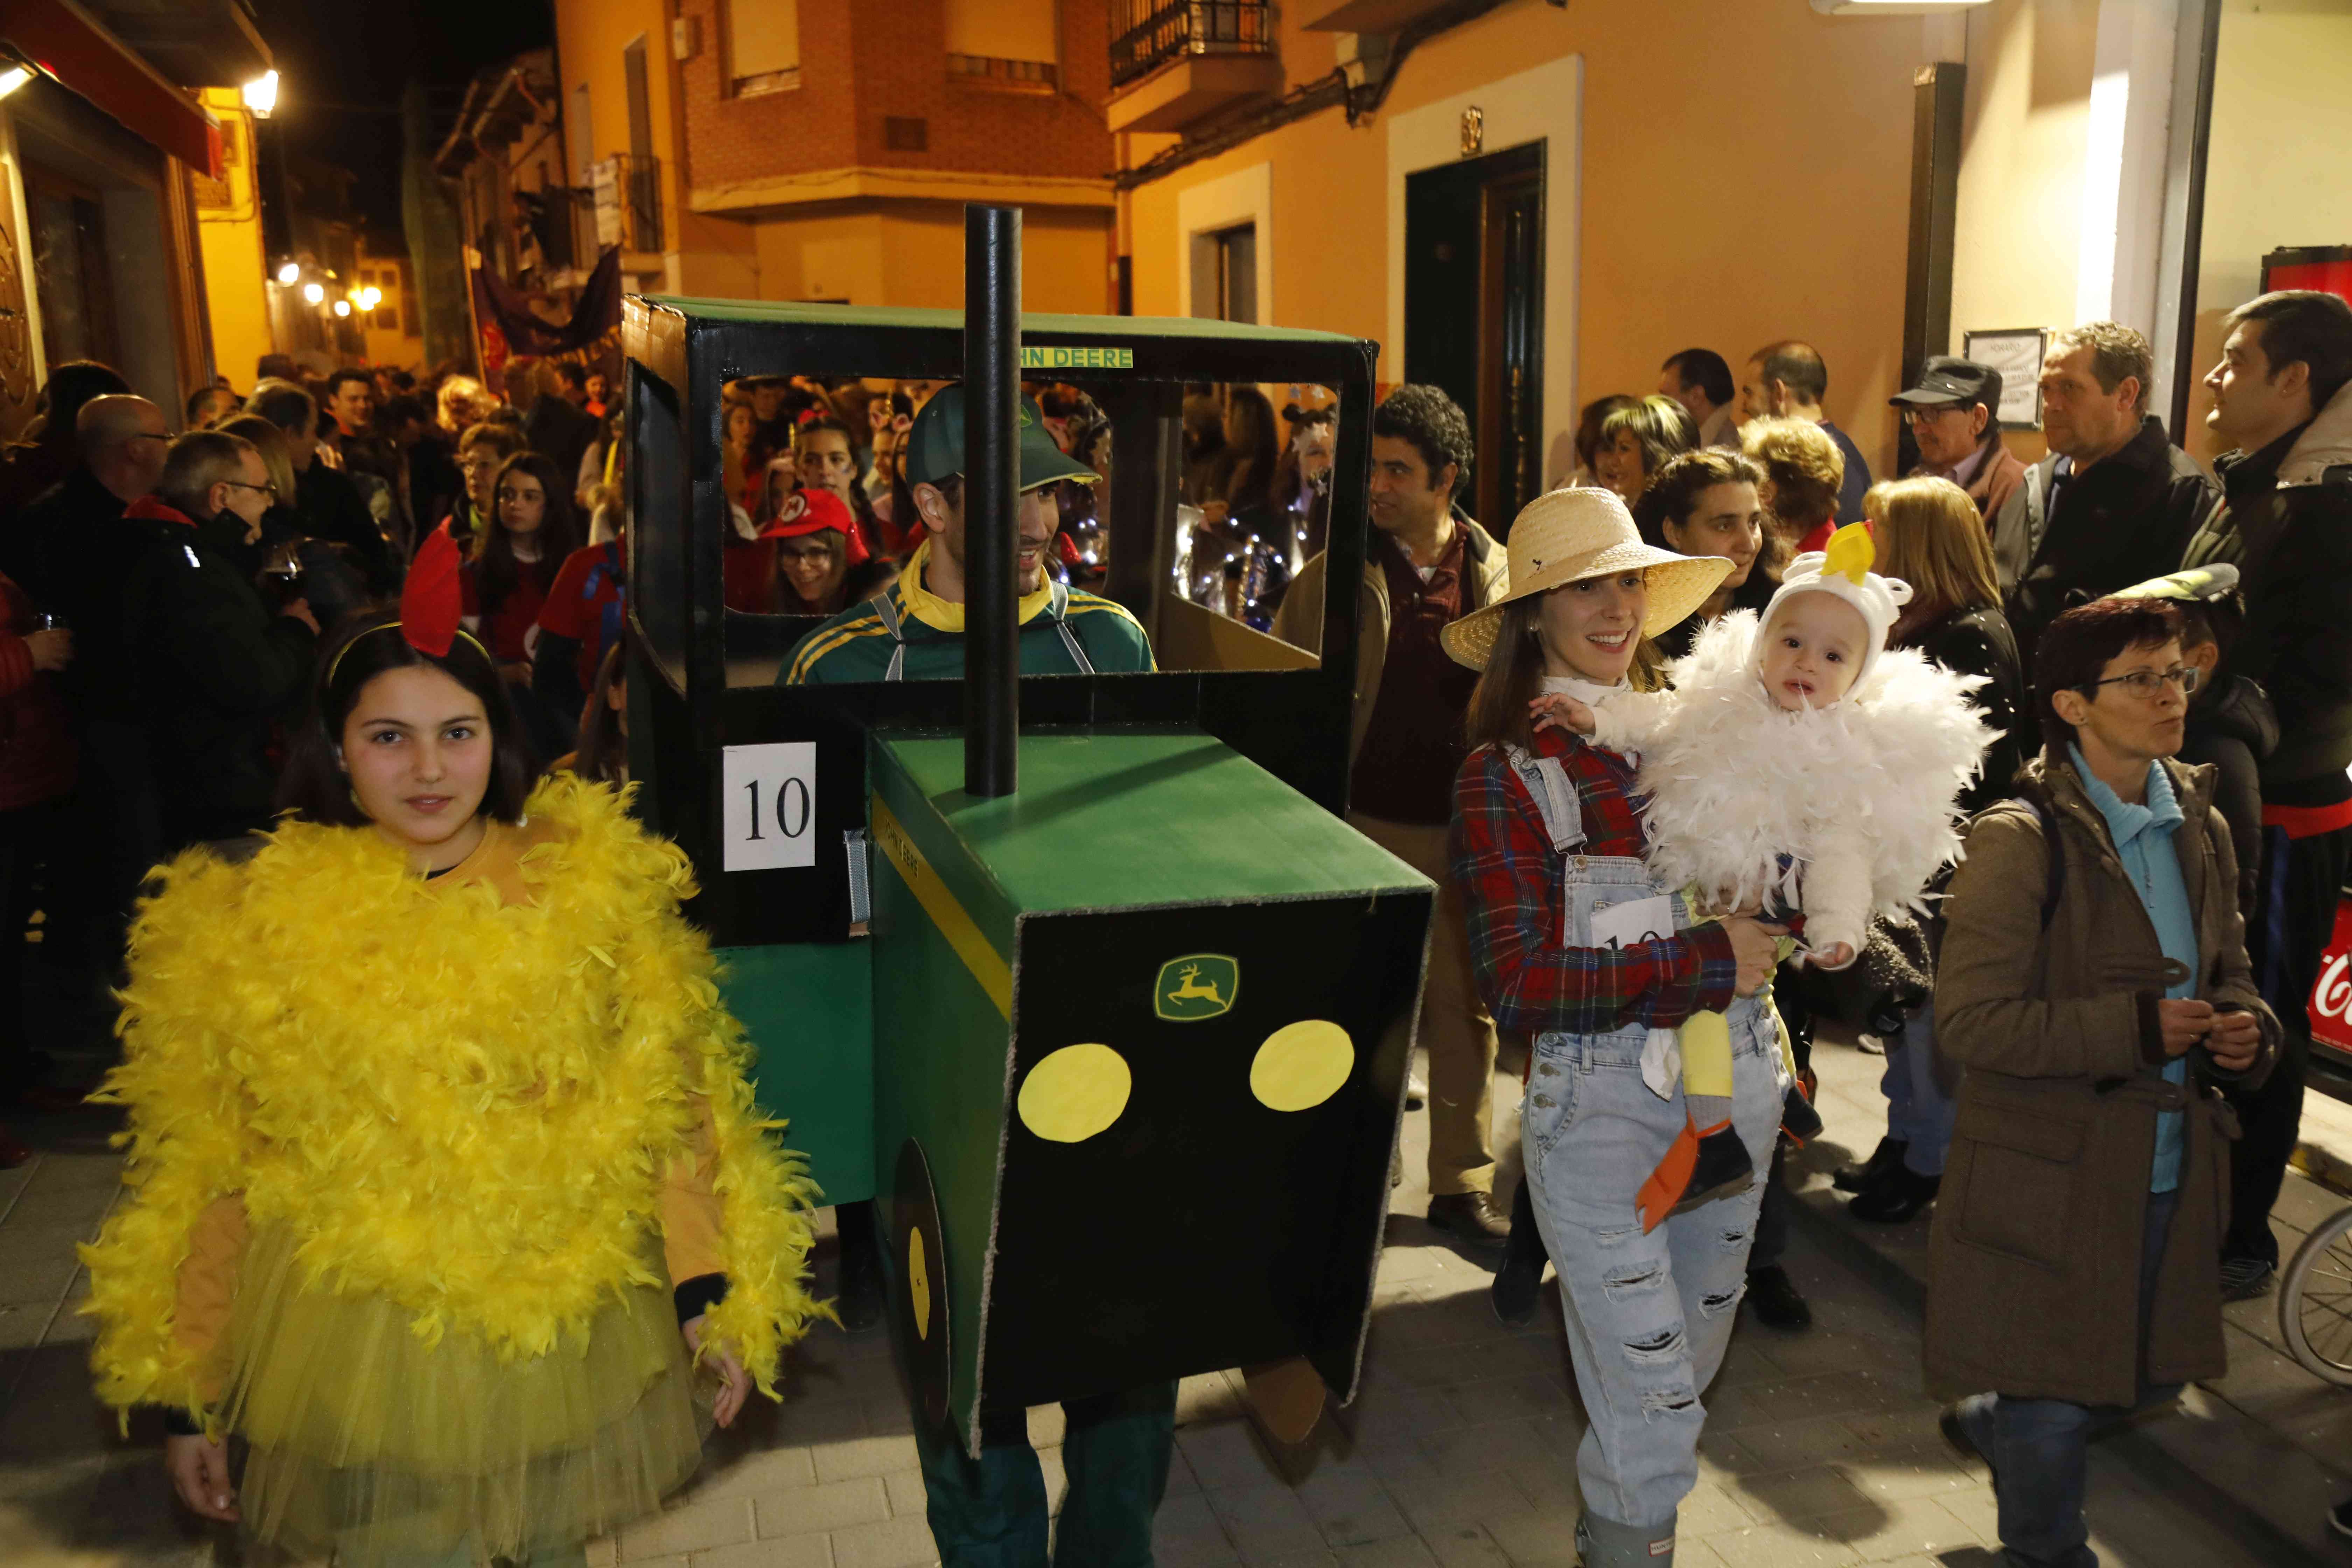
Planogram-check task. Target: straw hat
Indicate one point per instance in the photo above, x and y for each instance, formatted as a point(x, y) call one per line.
point(1570, 535)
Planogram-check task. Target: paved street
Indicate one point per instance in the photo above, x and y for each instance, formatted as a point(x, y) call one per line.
point(1820, 1447)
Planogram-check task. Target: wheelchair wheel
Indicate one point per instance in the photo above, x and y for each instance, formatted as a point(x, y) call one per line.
point(2316, 1301)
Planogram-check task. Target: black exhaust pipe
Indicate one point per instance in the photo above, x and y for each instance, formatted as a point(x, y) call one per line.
point(992, 500)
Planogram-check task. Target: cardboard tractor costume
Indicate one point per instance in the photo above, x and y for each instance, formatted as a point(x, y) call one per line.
point(1116, 1052)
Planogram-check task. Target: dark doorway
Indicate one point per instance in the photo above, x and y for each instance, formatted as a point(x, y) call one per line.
point(1474, 313)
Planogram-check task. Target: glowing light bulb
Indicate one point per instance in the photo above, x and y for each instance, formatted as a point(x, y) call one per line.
point(342, 306)
point(314, 293)
point(12, 79)
point(262, 94)
point(370, 297)
point(290, 273)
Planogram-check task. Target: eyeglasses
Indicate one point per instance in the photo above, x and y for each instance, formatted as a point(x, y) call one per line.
point(1924, 413)
point(266, 487)
point(2147, 684)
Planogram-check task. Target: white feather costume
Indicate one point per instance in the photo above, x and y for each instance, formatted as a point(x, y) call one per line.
point(1858, 795)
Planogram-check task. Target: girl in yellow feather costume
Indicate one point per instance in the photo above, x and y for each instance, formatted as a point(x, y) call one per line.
point(438, 1135)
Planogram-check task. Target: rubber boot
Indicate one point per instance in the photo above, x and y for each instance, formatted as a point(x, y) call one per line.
point(1799, 1119)
point(1723, 1170)
point(1604, 1543)
point(1658, 1195)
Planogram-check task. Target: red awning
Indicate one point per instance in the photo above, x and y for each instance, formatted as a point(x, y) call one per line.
point(64, 40)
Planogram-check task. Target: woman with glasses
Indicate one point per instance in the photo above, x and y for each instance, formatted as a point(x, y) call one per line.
point(2093, 983)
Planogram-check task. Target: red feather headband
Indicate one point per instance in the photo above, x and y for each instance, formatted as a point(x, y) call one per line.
point(431, 602)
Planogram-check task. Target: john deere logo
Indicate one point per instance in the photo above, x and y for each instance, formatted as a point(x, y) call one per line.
point(1199, 985)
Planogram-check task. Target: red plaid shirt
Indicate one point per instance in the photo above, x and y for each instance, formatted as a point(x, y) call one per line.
point(1510, 878)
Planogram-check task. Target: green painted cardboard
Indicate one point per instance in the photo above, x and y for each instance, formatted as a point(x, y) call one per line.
point(809, 1012)
point(1171, 832)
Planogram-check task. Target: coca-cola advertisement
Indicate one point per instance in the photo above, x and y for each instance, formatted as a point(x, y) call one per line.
point(2331, 999)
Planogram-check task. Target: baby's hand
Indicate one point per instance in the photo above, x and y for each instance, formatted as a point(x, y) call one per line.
point(1837, 955)
point(1559, 712)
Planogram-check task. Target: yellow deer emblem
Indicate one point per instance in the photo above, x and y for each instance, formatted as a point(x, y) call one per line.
point(1195, 987)
point(1190, 984)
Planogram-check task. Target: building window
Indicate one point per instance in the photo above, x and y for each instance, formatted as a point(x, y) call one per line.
point(1224, 274)
point(906, 133)
point(1037, 75)
point(994, 45)
point(763, 46)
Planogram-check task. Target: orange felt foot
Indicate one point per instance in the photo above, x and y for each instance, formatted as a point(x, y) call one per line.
point(1665, 1189)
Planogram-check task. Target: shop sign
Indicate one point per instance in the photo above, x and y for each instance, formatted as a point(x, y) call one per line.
point(2331, 998)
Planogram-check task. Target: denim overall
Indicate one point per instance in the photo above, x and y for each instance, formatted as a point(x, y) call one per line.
point(1648, 1316)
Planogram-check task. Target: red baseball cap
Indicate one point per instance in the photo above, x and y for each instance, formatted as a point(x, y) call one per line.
point(812, 512)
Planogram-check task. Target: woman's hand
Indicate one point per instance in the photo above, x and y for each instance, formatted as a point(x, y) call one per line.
point(1755, 947)
point(2235, 1041)
point(199, 1470)
point(2184, 1023)
point(1562, 712)
point(734, 1382)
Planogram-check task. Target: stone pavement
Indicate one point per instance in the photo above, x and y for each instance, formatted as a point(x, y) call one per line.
point(1820, 1447)
point(2269, 1443)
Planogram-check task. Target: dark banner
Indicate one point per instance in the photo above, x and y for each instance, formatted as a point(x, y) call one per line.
point(510, 326)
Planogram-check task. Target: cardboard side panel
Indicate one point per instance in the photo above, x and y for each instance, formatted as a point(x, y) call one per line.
point(809, 1011)
point(940, 1055)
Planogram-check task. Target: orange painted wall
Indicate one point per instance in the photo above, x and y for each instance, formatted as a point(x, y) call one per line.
point(1744, 177)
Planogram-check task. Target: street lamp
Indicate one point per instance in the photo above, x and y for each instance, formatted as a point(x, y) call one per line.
point(291, 273)
point(312, 293)
point(342, 306)
point(370, 297)
point(262, 94)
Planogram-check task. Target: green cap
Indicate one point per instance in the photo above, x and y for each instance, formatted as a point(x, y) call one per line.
point(935, 446)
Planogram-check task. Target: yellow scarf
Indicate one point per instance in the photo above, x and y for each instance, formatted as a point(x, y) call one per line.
point(941, 616)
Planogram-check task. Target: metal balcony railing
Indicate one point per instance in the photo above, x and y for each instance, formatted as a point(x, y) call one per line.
point(1147, 34)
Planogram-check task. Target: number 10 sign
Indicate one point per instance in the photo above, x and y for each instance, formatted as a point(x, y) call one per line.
point(770, 797)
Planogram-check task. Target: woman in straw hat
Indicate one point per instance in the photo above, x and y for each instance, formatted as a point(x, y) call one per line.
point(1578, 946)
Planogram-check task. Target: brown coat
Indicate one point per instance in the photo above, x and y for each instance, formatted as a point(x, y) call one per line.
point(2033, 1263)
point(1300, 621)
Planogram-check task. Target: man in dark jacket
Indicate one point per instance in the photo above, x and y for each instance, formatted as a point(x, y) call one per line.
point(326, 504)
point(2282, 396)
point(550, 423)
point(1955, 415)
point(216, 663)
point(121, 440)
point(1787, 380)
point(49, 449)
point(2115, 503)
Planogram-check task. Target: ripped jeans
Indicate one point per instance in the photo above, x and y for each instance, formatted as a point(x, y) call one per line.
point(1648, 1316)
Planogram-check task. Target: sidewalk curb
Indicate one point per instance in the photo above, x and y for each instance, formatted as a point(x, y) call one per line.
point(2329, 1169)
point(2193, 1457)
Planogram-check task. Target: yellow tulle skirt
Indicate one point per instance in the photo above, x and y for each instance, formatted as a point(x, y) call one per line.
point(369, 1444)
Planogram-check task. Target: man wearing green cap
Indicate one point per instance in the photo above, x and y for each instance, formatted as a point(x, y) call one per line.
point(914, 631)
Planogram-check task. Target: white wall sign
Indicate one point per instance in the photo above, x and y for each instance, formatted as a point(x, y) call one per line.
point(2017, 354)
point(768, 799)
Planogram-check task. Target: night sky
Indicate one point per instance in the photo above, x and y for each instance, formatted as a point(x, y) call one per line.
point(342, 64)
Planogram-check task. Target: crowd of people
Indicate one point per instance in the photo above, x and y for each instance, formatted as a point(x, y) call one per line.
point(1611, 703)
point(1606, 730)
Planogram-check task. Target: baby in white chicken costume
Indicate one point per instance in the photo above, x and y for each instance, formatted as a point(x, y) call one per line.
point(1797, 764)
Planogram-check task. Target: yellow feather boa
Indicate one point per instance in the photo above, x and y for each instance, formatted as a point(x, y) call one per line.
point(467, 1108)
